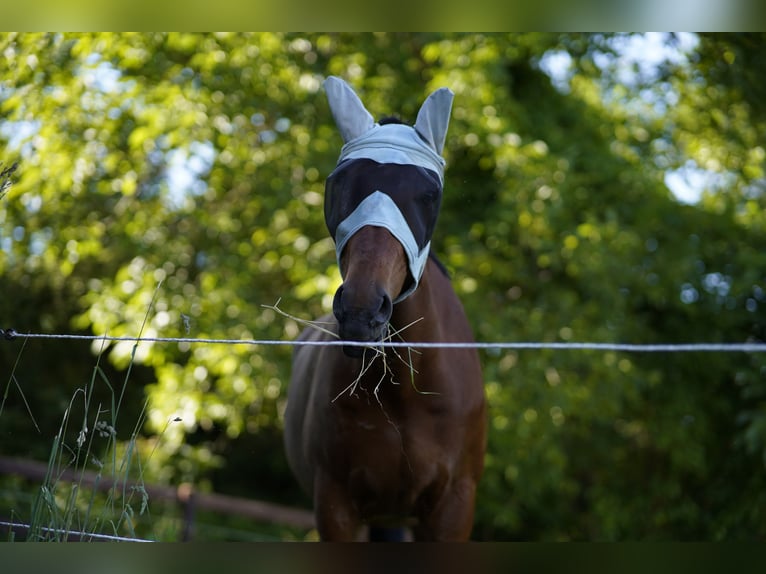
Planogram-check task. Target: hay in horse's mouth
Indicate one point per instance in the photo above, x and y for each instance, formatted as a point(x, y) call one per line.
point(355, 352)
point(358, 350)
point(368, 353)
point(368, 360)
point(361, 332)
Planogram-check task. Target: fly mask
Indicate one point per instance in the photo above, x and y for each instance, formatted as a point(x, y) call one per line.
point(388, 176)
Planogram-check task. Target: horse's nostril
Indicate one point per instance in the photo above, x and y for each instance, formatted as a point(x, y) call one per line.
point(337, 304)
point(384, 311)
point(386, 307)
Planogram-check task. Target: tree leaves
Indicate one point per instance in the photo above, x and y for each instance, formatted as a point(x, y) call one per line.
point(196, 162)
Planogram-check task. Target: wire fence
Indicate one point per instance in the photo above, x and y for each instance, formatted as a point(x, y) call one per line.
point(746, 347)
point(18, 529)
point(189, 500)
point(300, 517)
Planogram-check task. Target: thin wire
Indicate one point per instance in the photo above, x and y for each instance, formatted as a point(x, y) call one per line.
point(520, 345)
point(84, 535)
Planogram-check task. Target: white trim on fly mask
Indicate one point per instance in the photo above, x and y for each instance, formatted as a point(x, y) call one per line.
point(379, 210)
point(394, 143)
point(401, 144)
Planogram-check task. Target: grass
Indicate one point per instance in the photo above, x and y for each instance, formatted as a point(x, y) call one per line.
point(73, 499)
point(5, 178)
point(93, 486)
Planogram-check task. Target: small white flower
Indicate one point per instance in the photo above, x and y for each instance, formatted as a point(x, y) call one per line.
point(81, 437)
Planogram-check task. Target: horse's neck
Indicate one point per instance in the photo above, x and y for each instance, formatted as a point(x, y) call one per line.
point(425, 316)
point(417, 317)
point(432, 313)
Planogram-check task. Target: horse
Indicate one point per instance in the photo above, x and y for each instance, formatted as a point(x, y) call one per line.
point(388, 437)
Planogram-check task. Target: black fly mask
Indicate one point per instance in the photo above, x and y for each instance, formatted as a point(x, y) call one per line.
point(388, 176)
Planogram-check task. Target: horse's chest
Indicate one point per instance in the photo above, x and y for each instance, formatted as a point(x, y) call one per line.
point(388, 445)
point(383, 419)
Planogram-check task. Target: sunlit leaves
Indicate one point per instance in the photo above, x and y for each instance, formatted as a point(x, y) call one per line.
point(178, 178)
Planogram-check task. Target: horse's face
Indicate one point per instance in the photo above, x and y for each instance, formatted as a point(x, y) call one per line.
point(382, 217)
point(381, 204)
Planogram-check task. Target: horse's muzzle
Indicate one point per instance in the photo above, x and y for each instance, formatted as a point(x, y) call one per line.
point(366, 324)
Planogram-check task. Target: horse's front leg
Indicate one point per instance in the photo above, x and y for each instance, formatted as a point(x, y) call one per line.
point(450, 519)
point(336, 515)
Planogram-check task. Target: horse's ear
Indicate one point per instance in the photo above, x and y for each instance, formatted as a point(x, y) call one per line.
point(351, 117)
point(433, 118)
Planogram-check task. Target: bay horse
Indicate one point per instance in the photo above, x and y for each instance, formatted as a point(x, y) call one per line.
point(380, 436)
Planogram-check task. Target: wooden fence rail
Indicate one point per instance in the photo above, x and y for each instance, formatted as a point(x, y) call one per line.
point(189, 499)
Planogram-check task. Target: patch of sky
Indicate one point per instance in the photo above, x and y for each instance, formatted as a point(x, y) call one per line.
point(186, 171)
point(639, 58)
point(39, 241)
point(632, 59)
point(689, 182)
point(266, 135)
point(18, 135)
point(100, 75)
point(32, 203)
point(103, 77)
point(557, 64)
point(689, 294)
point(637, 61)
point(755, 189)
point(717, 284)
point(282, 125)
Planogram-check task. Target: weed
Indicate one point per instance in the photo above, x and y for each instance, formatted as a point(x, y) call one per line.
point(5, 178)
point(74, 500)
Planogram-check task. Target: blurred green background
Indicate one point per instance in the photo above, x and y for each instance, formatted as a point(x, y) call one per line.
point(343, 15)
point(600, 187)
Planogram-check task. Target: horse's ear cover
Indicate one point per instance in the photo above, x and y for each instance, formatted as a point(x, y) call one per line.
point(351, 117)
point(433, 118)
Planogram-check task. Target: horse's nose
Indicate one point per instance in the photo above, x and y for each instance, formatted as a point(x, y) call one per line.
point(374, 312)
point(361, 318)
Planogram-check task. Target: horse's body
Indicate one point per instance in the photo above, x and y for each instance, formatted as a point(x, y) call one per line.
point(393, 437)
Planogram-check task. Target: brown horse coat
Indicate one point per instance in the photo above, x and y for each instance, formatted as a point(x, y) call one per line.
point(394, 437)
point(416, 450)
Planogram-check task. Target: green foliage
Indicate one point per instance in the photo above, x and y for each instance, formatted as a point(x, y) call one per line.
point(5, 178)
point(188, 169)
